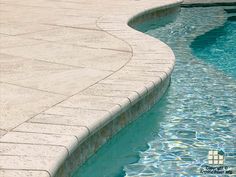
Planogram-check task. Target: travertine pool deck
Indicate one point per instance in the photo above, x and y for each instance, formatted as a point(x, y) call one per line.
point(67, 69)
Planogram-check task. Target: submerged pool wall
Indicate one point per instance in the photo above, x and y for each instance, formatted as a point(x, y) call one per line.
point(147, 74)
point(153, 14)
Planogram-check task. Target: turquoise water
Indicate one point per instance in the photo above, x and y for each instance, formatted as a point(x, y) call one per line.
point(198, 112)
point(218, 47)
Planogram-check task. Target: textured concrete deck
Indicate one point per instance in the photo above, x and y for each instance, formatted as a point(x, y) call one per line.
point(67, 67)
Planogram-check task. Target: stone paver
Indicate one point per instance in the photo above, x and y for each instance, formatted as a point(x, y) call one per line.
point(18, 104)
point(72, 55)
point(78, 131)
point(48, 77)
point(67, 69)
point(23, 173)
point(80, 37)
point(68, 142)
point(31, 150)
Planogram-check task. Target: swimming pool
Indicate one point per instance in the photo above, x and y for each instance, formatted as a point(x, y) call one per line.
point(197, 114)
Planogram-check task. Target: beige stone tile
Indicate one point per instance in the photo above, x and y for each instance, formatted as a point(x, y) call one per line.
point(154, 56)
point(101, 103)
point(159, 69)
point(31, 150)
point(148, 68)
point(154, 65)
point(81, 37)
point(150, 62)
point(18, 104)
point(132, 96)
point(92, 119)
point(32, 16)
point(134, 77)
point(36, 3)
point(73, 21)
point(160, 49)
point(46, 76)
point(124, 82)
point(112, 25)
point(28, 163)
point(2, 132)
point(70, 142)
point(141, 90)
point(127, 84)
point(114, 105)
point(79, 132)
point(23, 173)
point(126, 72)
point(72, 55)
point(98, 91)
point(13, 41)
point(80, 113)
point(92, 102)
point(129, 34)
point(43, 3)
point(130, 87)
point(22, 28)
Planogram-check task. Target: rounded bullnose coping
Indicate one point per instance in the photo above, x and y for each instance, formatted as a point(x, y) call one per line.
point(149, 66)
point(149, 55)
point(144, 49)
point(141, 45)
point(146, 52)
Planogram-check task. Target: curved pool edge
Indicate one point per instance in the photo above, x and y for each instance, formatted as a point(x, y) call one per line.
point(130, 36)
point(148, 73)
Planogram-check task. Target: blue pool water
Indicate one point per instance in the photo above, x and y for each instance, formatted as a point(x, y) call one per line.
point(198, 112)
point(218, 47)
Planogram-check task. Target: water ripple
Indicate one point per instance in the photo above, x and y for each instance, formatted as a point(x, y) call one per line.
point(199, 112)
